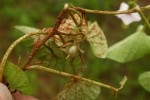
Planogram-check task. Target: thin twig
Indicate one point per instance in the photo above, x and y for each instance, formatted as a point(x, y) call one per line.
point(50, 49)
point(72, 76)
point(60, 18)
point(35, 49)
point(73, 17)
point(62, 39)
point(144, 18)
point(111, 12)
point(69, 34)
point(9, 50)
point(50, 34)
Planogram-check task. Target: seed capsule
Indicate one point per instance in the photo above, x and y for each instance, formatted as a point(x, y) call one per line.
point(72, 51)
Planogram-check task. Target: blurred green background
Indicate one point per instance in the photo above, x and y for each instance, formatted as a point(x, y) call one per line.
point(43, 13)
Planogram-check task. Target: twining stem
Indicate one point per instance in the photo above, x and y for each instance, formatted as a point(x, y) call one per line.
point(35, 49)
point(111, 12)
point(60, 18)
point(144, 18)
point(50, 34)
point(73, 76)
point(9, 50)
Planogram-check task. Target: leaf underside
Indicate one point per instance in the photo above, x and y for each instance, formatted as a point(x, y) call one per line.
point(68, 26)
point(144, 80)
point(79, 91)
point(97, 40)
point(27, 30)
point(131, 48)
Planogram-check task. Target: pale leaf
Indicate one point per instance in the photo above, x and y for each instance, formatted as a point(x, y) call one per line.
point(131, 48)
point(27, 30)
point(97, 40)
point(79, 91)
point(144, 80)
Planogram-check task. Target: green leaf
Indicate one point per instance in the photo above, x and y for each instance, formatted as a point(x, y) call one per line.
point(144, 80)
point(17, 79)
point(43, 53)
point(97, 40)
point(131, 48)
point(27, 29)
point(79, 91)
point(28, 42)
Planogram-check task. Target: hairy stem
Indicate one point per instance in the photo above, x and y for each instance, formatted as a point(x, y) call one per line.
point(111, 12)
point(50, 34)
point(60, 18)
point(144, 18)
point(35, 49)
point(9, 50)
point(73, 76)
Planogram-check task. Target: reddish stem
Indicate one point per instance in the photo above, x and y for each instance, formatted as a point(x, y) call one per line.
point(50, 32)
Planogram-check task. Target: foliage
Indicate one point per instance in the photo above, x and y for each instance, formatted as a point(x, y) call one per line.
point(94, 39)
point(97, 40)
point(17, 79)
point(79, 91)
point(133, 47)
point(144, 80)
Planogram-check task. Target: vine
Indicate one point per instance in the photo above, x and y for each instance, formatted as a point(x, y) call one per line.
point(81, 23)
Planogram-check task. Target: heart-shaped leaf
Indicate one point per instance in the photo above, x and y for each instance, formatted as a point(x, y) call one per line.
point(144, 80)
point(97, 40)
point(133, 47)
point(17, 79)
point(79, 91)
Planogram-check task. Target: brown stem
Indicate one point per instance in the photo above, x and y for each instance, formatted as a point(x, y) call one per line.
point(50, 32)
point(42, 68)
point(111, 12)
point(60, 18)
point(62, 33)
